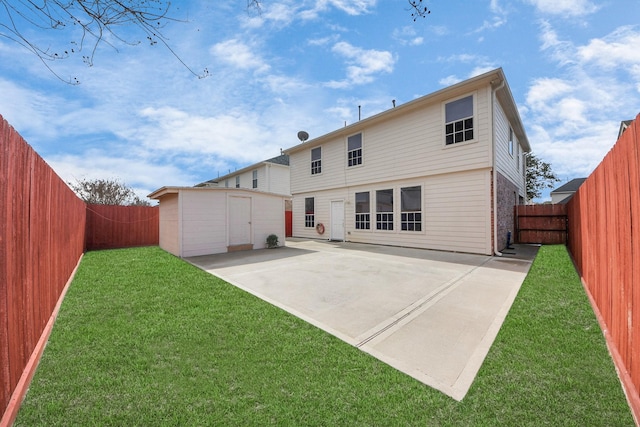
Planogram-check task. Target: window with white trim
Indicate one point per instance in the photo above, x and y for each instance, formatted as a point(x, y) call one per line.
point(309, 213)
point(316, 160)
point(411, 208)
point(459, 120)
point(238, 181)
point(226, 183)
point(255, 179)
point(511, 142)
point(384, 209)
point(363, 211)
point(354, 150)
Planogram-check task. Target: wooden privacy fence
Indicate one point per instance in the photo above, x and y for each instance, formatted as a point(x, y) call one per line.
point(604, 240)
point(41, 241)
point(546, 224)
point(110, 227)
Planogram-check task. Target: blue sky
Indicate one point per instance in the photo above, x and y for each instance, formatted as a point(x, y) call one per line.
point(138, 115)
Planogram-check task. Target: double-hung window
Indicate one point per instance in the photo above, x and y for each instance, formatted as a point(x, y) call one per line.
point(354, 150)
point(255, 179)
point(316, 160)
point(411, 208)
point(384, 210)
point(363, 209)
point(459, 120)
point(511, 142)
point(309, 213)
point(237, 181)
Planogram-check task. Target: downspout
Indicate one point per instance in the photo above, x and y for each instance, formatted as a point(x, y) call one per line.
point(494, 173)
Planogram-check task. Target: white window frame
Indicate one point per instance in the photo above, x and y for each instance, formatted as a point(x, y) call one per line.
point(362, 219)
point(411, 220)
point(254, 180)
point(237, 181)
point(354, 156)
point(510, 141)
point(309, 218)
point(473, 117)
point(316, 165)
point(385, 219)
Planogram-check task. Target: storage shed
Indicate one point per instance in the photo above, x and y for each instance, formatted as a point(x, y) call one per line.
point(203, 221)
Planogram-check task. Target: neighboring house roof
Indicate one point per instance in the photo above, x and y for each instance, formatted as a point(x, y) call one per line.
point(496, 78)
point(282, 159)
point(568, 189)
point(623, 126)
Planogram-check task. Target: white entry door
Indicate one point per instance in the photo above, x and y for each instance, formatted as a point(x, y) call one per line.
point(239, 220)
point(337, 220)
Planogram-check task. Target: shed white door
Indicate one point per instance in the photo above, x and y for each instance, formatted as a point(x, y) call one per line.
point(239, 220)
point(337, 220)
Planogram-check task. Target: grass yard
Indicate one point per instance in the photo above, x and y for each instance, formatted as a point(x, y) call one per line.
point(145, 339)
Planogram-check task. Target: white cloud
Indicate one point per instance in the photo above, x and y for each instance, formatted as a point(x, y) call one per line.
point(408, 36)
point(363, 64)
point(574, 116)
point(618, 49)
point(240, 55)
point(350, 7)
point(572, 8)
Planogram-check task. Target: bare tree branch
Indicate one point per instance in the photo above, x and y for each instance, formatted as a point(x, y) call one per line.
point(95, 18)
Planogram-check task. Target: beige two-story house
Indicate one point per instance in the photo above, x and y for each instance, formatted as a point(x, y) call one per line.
point(440, 172)
point(271, 176)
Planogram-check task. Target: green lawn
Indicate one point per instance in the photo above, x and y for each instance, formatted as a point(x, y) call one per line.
point(146, 339)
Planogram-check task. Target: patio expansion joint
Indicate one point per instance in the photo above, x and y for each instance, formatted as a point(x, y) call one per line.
point(414, 309)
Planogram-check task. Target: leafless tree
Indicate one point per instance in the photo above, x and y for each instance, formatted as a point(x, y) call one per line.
point(418, 9)
point(95, 19)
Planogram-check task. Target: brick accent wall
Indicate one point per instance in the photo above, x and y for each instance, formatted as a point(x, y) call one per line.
point(507, 195)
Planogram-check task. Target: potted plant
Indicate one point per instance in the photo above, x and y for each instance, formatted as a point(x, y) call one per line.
point(272, 241)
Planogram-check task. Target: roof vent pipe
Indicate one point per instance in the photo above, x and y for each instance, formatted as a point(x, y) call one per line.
point(393, 101)
point(359, 111)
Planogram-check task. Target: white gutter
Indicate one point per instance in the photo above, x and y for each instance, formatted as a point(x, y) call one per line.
point(494, 171)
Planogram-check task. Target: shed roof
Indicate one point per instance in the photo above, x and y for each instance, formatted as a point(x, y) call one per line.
point(163, 191)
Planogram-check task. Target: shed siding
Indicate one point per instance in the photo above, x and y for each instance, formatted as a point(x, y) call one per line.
point(169, 220)
point(203, 222)
point(456, 213)
point(268, 218)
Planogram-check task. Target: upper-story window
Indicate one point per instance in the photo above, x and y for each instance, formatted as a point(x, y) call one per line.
point(511, 141)
point(316, 160)
point(354, 150)
point(226, 183)
point(363, 209)
point(255, 179)
point(459, 120)
point(237, 181)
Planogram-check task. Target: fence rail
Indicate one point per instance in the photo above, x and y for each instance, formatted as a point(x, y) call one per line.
point(604, 240)
point(110, 227)
point(546, 224)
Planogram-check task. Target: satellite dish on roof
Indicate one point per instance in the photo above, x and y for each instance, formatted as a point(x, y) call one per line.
point(303, 136)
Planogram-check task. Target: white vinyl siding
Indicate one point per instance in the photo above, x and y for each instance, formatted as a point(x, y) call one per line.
point(509, 165)
point(196, 221)
point(200, 214)
point(269, 177)
point(169, 220)
point(407, 146)
point(455, 217)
